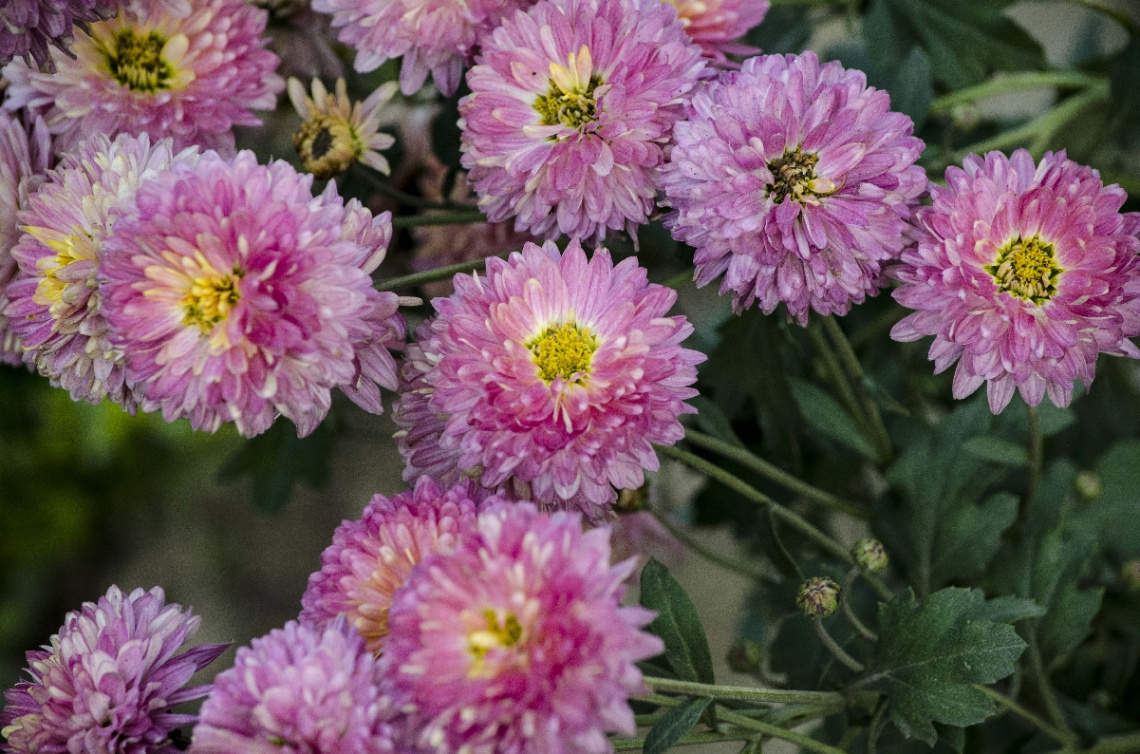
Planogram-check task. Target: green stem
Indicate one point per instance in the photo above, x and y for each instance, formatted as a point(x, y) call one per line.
point(771, 472)
point(833, 647)
point(1041, 677)
point(852, 618)
point(443, 218)
point(854, 369)
point(1124, 743)
point(383, 187)
point(775, 731)
point(726, 563)
point(1036, 459)
point(878, 722)
point(638, 743)
point(430, 276)
point(741, 693)
point(1012, 83)
point(1119, 16)
point(679, 279)
point(835, 373)
point(1004, 701)
point(809, 3)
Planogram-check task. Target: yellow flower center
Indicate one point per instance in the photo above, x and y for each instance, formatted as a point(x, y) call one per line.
point(498, 633)
point(210, 300)
point(50, 289)
point(563, 351)
point(136, 61)
point(328, 145)
point(793, 174)
point(570, 97)
point(1027, 269)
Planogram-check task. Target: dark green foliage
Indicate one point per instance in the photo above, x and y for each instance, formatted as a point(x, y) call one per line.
point(686, 647)
point(676, 722)
point(277, 459)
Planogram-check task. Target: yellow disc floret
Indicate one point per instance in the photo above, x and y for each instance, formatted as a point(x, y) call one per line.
point(210, 300)
point(565, 351)
point(1027, 269)
point(570, 99)
point(498, 633)
point(136, 60)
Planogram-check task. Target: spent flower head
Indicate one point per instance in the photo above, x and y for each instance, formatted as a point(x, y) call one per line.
point(337, 132)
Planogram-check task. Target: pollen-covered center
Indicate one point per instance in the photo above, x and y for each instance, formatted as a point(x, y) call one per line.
point(570, 100)
point(793, 174)
point(136, 62)
point(497, 633)
point(50, 289)
point(565, 351)
point(210, 300)
point(328, 145)
point(1027, 269)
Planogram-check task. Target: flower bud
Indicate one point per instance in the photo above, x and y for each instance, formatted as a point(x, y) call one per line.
point(632, 500)
point(818, 597)
point(1088, 485)
point(870, 555)
point(745, 656)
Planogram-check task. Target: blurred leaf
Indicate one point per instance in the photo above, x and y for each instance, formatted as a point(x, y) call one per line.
point(824, 414)
point(277, 459)
point(1053, 420)
point(997, 450)
point(1125, 83)
point(784, 30)
point(1006, 610)
point(965, 41)
point(912, 90)
point(676, 722)
point(677, 624)
point(1117, 510)
point(713, 422)
point(930, 654)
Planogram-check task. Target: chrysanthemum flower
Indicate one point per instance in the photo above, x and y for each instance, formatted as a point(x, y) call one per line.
point(1023, 273)
point(438, 37)
point(370, 558)
point(55, 306)
point(569, 111)
point(555, 375)
point(30, 26)
point(716, 24)
point(236, 295)
point(108, 679)
point(336, 132)
point(24, 162)
point(191, 78)
point(795, 181)
point(516, 642)
point(297, 689)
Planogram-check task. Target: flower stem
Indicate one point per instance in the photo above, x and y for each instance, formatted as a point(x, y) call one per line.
point(443, 218)
point(835, 373)
point(743, 693)
point(638, 743)
point(1119, 16)
point(775, 731)
point(848, 611)
point(772, 472)
point(854, 369)
point(726, 563)
point(1044, 687)
point(1036, 459)
point(383, 187)
point(430, 276)
point(1012, 83)
point(835, 649)
point(1011, 705)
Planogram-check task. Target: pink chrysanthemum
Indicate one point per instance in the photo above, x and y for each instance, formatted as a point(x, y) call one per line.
point(716, 25)
point(571, 106)
point(191, 78)
point(1023, 273)
point(24, 162)
point(297, 689)
point(108, 679)
point(438, 37)
point(557, 374)
point(516, 642)
point(795, 181)
point(370, 558)
point(30, 27)
point(236, 295)
point(55, 306)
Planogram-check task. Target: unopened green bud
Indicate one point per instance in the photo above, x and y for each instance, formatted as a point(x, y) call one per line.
point(1088, 485)
point(818, 597)
point(745, 656)
point(632, 501)
point(1130, 576)
point(870, 555)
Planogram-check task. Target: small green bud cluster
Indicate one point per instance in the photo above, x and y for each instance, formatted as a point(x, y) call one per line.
point(870, 555)
point(818, 597)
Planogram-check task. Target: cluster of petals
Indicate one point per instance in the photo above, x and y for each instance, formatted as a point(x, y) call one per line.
point(55, 305)
point(24, 161)
point(29, 28)
point(108, 679)
point(297, 689)
point(1024, 272)
point(796, 182)
point(716, 25)
point(570, 109)
point(516, 641)
point(236, 295)
point(371, 557)
point(550, 379)
point(437, 37)
point(191, 77)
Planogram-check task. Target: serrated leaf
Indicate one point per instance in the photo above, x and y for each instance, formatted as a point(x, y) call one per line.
point(677, 624)
point(674, 725)
point(912, 89)
point(996, 450)
point(930, 654)
point(824, 414)
point(277, 459)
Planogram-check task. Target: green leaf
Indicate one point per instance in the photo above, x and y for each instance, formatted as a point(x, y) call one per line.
point(785, 29)
point(912, 90)
point(686, 647)
point(713, 422)
point(1007, 610)
point(930, 654)
point(824, 414)
point(996, 450)
point(1125, 97)
point(965, 41)
point(674, 725)
point(1116, 510)
point(277, 459)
